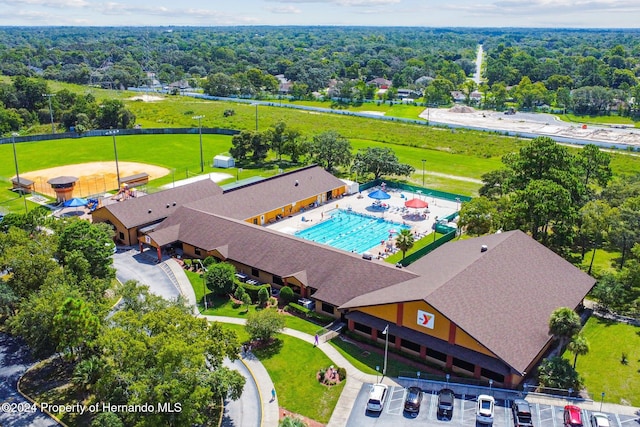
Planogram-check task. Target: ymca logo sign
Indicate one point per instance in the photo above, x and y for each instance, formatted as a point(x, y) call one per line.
point(426, 319)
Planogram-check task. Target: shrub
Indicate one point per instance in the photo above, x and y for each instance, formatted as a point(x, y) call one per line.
point(263, 295)
point(253, 290)
point(286, 293)
point(229, 112)
point(342, 373)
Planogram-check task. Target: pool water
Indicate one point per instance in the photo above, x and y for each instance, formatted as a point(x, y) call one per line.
point(351, 231)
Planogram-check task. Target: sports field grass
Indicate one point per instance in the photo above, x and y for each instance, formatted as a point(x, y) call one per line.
point(602, 368)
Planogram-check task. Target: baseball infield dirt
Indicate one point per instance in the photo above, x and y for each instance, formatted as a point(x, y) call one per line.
point(93, 178)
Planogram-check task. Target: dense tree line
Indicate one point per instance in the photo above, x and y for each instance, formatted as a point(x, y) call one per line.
point(23, 104)
point(57, 293)
point(586, 71)
point(570, 203)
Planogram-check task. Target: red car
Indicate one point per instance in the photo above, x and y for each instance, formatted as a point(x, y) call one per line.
point(572, 416)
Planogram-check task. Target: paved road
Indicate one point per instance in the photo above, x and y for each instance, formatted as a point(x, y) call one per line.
point(244, 412)
point(15, 410)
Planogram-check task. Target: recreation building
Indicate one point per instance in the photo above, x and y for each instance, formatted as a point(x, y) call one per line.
point(479, 307)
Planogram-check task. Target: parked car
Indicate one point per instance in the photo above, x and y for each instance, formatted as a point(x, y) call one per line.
point(445, 403)
point(598, 419)
point(521, 413)
point(484, 410)
point(377, 395)
point(413, 399)
point(572, 416)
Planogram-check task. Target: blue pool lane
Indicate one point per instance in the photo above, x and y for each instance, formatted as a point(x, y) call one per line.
point(351, 231)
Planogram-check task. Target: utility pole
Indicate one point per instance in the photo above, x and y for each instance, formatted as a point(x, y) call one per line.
point(50, 95)
point(199, 119)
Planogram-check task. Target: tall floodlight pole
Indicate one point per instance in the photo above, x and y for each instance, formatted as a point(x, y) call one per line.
point(423, 161)
point(50, 95)
point(15, 161)
point(113, 133)
point(199, 119)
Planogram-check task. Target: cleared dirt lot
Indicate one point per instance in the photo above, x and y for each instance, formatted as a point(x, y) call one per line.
point(541, 124)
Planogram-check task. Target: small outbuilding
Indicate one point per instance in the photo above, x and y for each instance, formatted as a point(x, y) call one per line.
point(222, 161)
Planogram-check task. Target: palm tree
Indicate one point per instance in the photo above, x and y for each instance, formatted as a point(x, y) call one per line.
point(579, 346)
point(404, 241)
point(564, 323)
point(292, 422)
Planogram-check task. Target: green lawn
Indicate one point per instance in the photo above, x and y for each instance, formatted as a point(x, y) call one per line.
point(367, 361)
point(219, 306)
point(602, 369)
point(293, 367)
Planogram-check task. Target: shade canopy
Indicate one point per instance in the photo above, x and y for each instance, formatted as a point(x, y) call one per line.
point(416, 203)
point(379, 195)
point(75, 202)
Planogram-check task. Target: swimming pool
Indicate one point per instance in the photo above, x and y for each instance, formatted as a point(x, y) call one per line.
point(351, 231)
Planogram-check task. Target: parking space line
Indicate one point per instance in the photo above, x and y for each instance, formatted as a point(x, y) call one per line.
point(392, 398)
point(507, 413)
point(432, 403)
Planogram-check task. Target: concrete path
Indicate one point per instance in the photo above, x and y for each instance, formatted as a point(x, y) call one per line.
point(355, 378)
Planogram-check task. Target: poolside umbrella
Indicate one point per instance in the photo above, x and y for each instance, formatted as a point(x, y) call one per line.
point(379, 195)
point(416, 204)
point(76, 202)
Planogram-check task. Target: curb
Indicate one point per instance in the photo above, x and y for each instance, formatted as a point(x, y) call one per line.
point(257, 387)
point(56, 419)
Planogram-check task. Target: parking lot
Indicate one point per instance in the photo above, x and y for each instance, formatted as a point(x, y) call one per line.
point(464, 412)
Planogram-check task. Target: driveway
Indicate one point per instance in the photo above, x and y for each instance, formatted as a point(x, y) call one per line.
point(130, 264)
point(15, 410)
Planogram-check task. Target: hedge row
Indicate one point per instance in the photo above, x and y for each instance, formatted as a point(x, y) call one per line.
point(317, 317)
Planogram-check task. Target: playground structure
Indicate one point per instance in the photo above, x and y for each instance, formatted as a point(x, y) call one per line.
point(124, 193)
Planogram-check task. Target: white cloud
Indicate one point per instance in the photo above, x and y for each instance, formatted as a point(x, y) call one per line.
point(284, 10)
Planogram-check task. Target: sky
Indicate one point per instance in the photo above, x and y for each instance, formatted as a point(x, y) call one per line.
point(423, 13)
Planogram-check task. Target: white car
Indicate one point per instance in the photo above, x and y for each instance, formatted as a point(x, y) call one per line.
point(377, 395)
point(484, 410)
point(598, 419)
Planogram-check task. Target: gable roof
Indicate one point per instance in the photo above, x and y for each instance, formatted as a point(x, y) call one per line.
point(157, 206)
point(336, 276)
point(514, 286)
point(272, 193)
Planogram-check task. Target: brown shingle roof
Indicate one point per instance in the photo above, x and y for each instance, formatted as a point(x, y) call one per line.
point(154, 207)
point(337, 276)
point(271, 193)
point(513, 287)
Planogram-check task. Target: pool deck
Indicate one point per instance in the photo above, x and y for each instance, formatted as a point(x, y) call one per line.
point(420, 224)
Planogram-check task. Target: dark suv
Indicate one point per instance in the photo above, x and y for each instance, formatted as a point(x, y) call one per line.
point(445, 403)
point(521, 413)
point(413, 399)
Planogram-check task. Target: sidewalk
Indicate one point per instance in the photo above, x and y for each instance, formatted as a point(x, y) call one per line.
point(355, 378)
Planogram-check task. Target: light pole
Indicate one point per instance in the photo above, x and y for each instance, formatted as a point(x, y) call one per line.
point(377, 372)
point(199, 119)
point(386, 348)
point(113, 133)
point(423, 161)
point(50, 95)
point(15, 161)
point(204, 290)
point(601, 400)
point(490, 385)
point(447, 377)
